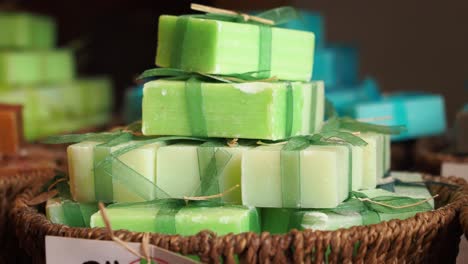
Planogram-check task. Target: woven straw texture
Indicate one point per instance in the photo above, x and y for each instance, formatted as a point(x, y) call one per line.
point(430, 237)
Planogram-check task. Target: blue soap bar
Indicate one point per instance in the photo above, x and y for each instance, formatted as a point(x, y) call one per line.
point(133, 101)
point(345, 96)
point(422, 114)
point(309, 21)
point(336, 65)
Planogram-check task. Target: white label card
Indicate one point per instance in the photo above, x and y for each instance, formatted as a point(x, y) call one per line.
point(61, 250)
point(455, 169)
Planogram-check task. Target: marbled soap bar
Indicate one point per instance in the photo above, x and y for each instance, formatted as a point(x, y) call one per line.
point(281, 220)
point(180, 219)
point(221, 47)
point(70, 213)
point(26, 31)
point(195, 159)
point(90, 183)
point(11, 131)
point(316, 177)
point(258, 110)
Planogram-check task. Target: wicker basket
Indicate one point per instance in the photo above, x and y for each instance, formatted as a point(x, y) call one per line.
point(428, 237)
point(431, 152)
point(10, 187)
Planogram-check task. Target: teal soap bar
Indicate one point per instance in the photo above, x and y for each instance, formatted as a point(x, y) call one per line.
point(133, 104)
point(347, 214)
point(178, 218)
point(26, 31)
point(422, 114)
point(222, 47)
point(70, 213)
point(257, 110)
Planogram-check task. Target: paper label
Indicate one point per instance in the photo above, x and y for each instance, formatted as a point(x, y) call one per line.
point(61, 250)
point(455, 169)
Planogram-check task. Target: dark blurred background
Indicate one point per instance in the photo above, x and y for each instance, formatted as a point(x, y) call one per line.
point(406, 45)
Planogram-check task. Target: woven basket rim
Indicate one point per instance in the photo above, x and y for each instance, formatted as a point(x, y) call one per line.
point(210, 247)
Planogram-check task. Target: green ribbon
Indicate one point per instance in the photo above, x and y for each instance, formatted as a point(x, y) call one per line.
point(370, 212)
point(290, 161)
point(194, 102)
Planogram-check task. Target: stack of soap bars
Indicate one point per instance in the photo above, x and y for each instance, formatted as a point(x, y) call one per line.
point(208, 133)
point(35, 74)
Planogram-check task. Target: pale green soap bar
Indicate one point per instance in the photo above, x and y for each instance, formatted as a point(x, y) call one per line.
point(56, 213)
point(97, 93)
point(81, 159)
point(59, 65)
point(26, 31)
point(281, 220)
point(387, 153)
point(178, 172)
point(20, 68)
point(234, 110)
point(220, 47)
point(372, 164)
point(324, 175)
point(357, 167)
point(413, 191)
point(188, 221)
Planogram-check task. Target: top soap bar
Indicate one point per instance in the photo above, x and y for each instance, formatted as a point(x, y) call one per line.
point(26, 31)
point(220, 47)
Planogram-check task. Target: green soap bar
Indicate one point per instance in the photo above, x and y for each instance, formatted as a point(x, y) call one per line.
point(257, 110)
point(70, 213)
point(187, 220)
point(220, 47)
point(23, 96)
point(97, 93)
point(59, 65)
point(20, 68)
point(81, 160)
point(372, 163)
point(26, 31)
point(387, 153)
point(413, 191)
point(323, 177)
point(281, 220)
point(170, 173)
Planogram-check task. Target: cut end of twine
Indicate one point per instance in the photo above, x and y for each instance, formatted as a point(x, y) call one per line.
point(398, 207)
point(246, 17)
point(208, 197)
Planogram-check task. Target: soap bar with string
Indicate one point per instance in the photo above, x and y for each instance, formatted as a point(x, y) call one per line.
point(26, 31)
point(352, 212)
point(220, 47)
point(11, 132)
point(316, 177)
point(70, 213)
point(175, 217)
point(196, 165)
point(256, 110)
point(90, 183)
